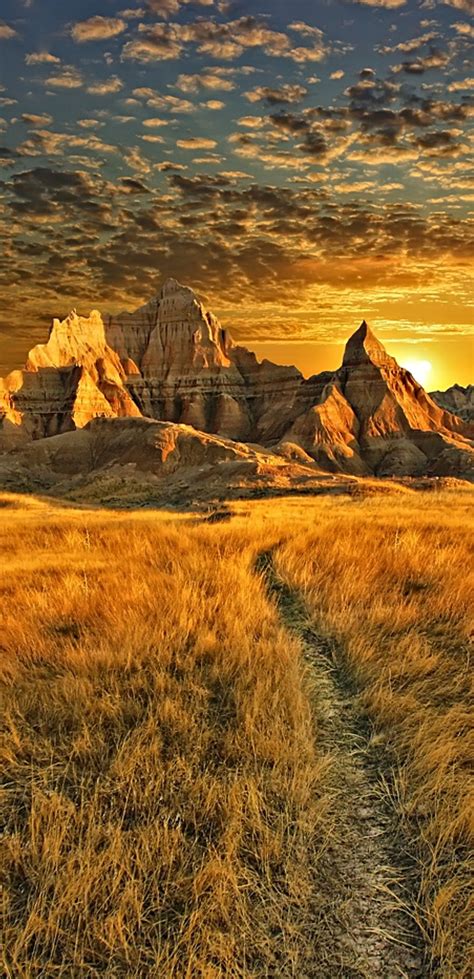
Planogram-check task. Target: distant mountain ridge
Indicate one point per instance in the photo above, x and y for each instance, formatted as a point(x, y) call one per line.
point(458, 400)
point(173, 362)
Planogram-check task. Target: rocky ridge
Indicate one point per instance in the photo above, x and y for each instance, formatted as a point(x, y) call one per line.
point(171, 361)
point(458, 400)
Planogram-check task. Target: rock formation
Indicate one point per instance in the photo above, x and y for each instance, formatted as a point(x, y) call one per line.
point(172, 361)
point(71, 379)
point(373, 417)
point(191, 372)
point(458, 400)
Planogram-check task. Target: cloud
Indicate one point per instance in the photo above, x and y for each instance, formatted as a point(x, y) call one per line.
point(131, 186)
point(466, 5)
point(435, 59)
point(44, 142)
point(233, 175)
point(6, 32)
point(303, 55)
point(317, 52)
point(375, 156)
point(97, 29)
point(355, 186)
point(294, 141)
point(136, 161)
point(167, 102)
point(36, 120)
point(440, 142)
point(410, 45)
point(89, 123)
point(42, 58)
point(155, 123)
point(153, 139)
point(133, 13)
point(107, 87)
point(252, 122)
point(211, 80)
point(167, 7)
point(196, 143)
point(213, 104)
point(337, 74)
point(68, 77)
point(284, 95)
point(306, 29)
point(160, 42)
point(467, 30)
point(223, 41)
point(461, 85)
point(386, 4)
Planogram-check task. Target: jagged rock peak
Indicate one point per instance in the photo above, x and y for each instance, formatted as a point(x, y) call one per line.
point(171, 287)
point(363, 347)
point(70, 341)
point(179, 304)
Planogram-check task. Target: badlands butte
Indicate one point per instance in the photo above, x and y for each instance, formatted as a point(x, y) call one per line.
point(111, 402)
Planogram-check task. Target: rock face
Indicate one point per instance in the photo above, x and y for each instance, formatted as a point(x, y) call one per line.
point(458, 400)
point(172, 361)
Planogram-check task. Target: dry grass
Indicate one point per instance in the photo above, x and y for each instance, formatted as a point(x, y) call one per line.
point(165, 800)
point(393, 582)
point(157, 752)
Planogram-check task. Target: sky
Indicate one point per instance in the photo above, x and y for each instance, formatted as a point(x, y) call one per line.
point(302, 164)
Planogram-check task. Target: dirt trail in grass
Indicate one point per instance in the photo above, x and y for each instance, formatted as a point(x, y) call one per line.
point(363, 924)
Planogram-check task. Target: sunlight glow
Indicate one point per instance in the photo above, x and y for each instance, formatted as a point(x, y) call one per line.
point(421, 369)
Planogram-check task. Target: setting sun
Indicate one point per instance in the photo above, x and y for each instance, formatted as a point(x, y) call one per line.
point(421, 370)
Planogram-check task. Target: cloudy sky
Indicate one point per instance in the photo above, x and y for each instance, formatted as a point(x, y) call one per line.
point(301, 163)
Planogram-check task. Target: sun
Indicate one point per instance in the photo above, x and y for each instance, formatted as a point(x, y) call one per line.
point(421, 370)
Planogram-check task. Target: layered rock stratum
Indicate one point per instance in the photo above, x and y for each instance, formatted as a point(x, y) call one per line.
point(172, 362)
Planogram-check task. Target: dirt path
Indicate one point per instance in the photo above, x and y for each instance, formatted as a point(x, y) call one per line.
point(363, 924)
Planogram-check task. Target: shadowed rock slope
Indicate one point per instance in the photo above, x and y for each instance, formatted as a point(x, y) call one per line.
point(140, 461)
point(172, 361)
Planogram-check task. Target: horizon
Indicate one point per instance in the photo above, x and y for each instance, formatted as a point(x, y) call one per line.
point(301, 172)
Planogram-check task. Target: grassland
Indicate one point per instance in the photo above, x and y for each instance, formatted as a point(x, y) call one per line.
point(168, 802)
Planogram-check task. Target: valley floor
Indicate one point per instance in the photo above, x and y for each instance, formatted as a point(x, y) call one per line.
point(236, 744)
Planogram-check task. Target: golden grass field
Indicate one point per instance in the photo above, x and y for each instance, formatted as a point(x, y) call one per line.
point(166, 802)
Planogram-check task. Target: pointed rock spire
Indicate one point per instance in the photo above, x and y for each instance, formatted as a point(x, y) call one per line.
point(364, 348)
point(74, 340)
